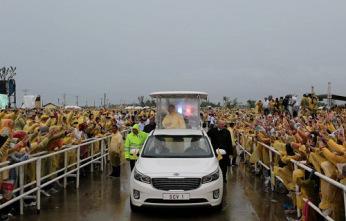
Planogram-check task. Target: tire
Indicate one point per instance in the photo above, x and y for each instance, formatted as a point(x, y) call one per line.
point(134, 209)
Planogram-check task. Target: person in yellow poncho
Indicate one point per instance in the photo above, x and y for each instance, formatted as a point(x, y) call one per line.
point(312, 104)
point(234, 149)
point(173, 120)
point(304, 103)
point(116, 151)
point(259, 107)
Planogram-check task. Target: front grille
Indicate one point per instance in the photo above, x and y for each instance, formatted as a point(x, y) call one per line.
point(161, 201)
point(176, 183)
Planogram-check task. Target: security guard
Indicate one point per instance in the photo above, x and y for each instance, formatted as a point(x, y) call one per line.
point(133, 144)
point(221, 140)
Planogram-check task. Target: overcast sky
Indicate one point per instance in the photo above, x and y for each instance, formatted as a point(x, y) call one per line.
point(244, 48)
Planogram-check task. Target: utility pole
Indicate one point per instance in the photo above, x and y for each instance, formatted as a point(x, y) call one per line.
point(64, 100)
point(104, 100)
point(329, 95)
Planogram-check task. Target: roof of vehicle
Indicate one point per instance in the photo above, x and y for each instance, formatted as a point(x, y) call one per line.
point(171, 94)
point(178, 132)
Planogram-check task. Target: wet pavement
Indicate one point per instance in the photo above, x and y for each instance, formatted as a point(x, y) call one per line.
point(101, 198)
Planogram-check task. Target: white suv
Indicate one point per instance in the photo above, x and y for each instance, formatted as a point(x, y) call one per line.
point(176, 167)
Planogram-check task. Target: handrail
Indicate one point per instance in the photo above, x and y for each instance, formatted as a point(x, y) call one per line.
point(270, 148)
point(18, 164)
point(42, 181)
point(45, 154)
point(320, 175)
point(313, 206)
point(72, 147)
point(305, 167)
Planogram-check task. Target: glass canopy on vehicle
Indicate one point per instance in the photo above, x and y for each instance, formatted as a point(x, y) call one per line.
point(179, 109)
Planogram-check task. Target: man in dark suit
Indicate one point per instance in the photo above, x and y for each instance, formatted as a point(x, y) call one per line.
point(221, 139)
point(151, 126)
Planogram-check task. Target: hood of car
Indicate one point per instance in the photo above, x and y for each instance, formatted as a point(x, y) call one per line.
point(176, 167)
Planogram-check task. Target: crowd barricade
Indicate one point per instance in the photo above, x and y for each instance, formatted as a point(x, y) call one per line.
point(297, 164)
point(36, 173)
point(125, 132)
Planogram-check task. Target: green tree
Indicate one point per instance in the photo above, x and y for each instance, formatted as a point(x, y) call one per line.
point(234, 103)
point(208, 103)
point(226, 101)
point(150, 103)
point(251, 103)
point(141, 101)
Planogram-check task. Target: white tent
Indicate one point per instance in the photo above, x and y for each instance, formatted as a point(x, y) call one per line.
point(29, 101)
point(73, 107)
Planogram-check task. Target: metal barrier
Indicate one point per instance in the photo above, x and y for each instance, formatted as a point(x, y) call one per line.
point(124, 133)
point(270, 167)
point(68, 170)
point(296, 165)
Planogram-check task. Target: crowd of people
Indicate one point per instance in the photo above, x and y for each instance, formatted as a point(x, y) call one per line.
point(288, 104)
point(298, 130)
point(301, 132)
point(26, 133)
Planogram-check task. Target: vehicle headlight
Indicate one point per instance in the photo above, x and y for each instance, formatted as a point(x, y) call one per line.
point(211, 177)
point(141, 177)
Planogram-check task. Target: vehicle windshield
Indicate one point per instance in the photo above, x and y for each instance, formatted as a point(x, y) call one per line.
point(177, 147)
point(178, 113)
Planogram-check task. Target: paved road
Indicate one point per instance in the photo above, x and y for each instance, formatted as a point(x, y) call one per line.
point(103, 198)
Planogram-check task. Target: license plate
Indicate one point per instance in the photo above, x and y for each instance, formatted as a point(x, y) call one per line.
point(176, 196)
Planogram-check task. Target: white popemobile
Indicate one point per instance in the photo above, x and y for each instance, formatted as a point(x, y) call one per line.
point(177, 165)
